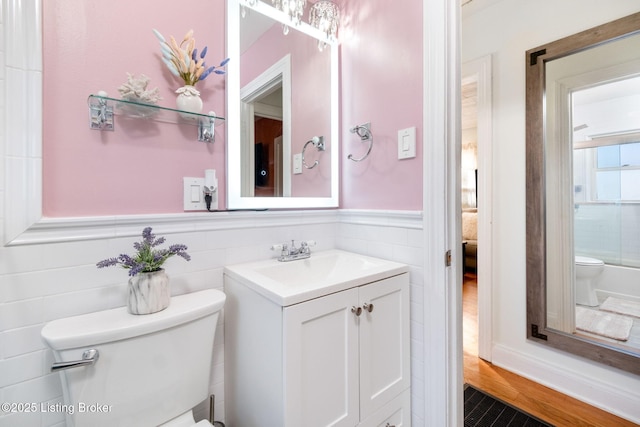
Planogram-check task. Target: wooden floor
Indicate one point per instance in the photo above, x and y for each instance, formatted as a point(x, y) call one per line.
point(537, 400)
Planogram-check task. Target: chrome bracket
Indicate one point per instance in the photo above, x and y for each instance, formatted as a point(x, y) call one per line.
point(206, 132)
point(100, 114)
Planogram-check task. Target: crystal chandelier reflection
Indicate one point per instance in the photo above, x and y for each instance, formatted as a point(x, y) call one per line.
point(325, 16)
point(243, 8)
point(293, 8)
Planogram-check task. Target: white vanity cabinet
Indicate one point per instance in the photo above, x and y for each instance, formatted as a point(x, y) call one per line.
point(336, 360)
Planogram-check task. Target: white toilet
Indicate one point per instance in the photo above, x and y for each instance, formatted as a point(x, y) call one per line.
point(587, 272)
point(151, 369)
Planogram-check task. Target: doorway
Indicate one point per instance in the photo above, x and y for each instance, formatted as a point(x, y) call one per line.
point(476, 173)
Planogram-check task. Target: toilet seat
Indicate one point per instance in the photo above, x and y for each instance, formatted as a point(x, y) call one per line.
point(587, 261)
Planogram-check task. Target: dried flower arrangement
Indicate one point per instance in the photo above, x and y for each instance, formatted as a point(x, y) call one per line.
point(183, 60)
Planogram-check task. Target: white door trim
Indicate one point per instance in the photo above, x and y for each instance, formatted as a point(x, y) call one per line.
point(442, 304)
point(479, 70)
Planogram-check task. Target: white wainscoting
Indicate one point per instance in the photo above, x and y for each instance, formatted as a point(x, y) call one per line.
point(46, 281)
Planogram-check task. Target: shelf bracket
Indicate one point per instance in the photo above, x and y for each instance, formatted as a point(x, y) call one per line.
point(206, 132)
point(100, 114)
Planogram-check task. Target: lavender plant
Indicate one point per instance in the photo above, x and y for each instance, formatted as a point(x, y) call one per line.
point(148, 257)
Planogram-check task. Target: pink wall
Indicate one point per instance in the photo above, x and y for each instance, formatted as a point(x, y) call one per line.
point(90, 46)
point(310, 100)
point(381, 69)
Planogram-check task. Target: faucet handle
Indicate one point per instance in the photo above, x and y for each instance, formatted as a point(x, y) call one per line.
point(307, 244)
point(282, 247)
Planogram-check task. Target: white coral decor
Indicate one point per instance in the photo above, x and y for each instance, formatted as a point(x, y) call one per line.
point(135, 89)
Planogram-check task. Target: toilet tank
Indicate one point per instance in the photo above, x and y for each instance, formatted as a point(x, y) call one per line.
point(151, 368)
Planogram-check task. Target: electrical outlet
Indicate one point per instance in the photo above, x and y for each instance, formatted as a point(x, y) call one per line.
point(194, 194)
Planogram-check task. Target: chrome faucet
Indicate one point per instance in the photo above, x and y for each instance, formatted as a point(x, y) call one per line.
point(291, 253)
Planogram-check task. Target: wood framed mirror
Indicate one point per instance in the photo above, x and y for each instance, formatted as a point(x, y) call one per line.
point(582, 172)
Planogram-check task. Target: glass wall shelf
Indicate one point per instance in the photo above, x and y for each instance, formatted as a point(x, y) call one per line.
point(102, 110)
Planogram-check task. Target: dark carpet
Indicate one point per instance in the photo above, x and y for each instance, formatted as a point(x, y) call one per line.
point(481, 409)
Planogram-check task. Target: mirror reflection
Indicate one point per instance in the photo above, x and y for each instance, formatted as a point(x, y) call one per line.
point(267, 139)
point(583, 198)
point(285, 101)
point(595, 96)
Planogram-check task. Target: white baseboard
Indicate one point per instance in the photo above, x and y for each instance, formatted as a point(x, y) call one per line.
point(618, 401)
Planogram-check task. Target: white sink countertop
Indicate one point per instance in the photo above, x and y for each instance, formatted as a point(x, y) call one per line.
point(325, 272)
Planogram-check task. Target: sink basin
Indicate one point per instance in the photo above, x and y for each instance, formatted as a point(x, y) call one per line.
point(287, 283)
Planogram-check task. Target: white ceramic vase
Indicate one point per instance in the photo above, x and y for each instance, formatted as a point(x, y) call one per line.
point(189, 100)
point(148, 292)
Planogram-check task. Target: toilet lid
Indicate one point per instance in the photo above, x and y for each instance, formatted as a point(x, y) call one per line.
point(583, 260)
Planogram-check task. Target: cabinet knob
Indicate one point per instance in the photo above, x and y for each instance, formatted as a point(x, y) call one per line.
point(368, 307)
point(356, 310)
point(389, 425)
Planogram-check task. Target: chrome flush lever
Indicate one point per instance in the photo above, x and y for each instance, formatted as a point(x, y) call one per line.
point(89, 357)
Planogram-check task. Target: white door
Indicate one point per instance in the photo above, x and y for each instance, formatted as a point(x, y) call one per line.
point(321, 361)
point(384, 342)
point(277, 167)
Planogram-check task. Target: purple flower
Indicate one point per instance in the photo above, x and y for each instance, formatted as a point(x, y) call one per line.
point(146, 259)
point(107, 262)
point(207, 72)
point(179, 250)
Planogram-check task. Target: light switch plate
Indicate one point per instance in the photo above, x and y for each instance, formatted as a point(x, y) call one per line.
point(297, 163)
point(194, 194)
point(407, 143)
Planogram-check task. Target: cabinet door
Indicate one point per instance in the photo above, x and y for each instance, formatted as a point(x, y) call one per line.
point(384, 342)
point(321, 361)
point(396, 413)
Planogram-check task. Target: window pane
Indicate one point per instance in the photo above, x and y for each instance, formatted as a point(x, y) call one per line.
point(609, 156)
point(630, 154)
point(608, 185)
point(630, 185)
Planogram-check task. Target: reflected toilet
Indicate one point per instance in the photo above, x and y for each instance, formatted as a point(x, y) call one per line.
point(587, 272)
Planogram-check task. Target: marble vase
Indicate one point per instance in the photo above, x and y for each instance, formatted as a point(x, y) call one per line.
point(148, 292)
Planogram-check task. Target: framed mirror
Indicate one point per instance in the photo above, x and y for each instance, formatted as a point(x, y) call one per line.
point(282, 111)
point(583, 197)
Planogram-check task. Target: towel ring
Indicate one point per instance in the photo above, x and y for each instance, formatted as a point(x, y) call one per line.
point(364, 132)
point(318, 142)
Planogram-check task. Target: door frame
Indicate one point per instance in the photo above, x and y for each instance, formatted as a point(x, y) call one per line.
point(479, 71)
point(442, 296)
